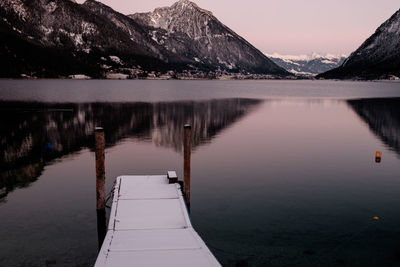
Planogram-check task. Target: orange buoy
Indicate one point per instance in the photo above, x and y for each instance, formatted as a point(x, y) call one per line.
point(378, 156)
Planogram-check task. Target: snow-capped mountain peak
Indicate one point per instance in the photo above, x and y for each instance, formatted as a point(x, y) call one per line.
point(309, 64)
point(175, 18)
point(207, 39)
point(186, 5)
point(182, 4)
point(306, 57)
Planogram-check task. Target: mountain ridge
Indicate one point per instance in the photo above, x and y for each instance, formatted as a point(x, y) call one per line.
point(377, 58)
point(307, 65)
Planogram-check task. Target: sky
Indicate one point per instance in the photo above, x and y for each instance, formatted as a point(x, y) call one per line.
point(289, 26)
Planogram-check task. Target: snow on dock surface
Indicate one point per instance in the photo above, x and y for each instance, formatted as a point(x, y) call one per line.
point(149, 226)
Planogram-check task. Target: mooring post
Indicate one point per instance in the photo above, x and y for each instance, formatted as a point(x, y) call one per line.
point(100, 185)
point(100, 169)
point(186, 163)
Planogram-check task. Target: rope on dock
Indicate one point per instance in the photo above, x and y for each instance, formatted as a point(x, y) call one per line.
point(110, 194)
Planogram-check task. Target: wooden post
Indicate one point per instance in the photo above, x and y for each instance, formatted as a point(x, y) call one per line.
point(100, 185)
point(186, 163)
point(100, 169)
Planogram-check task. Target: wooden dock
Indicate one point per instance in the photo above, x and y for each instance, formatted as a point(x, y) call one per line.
point(149, 226)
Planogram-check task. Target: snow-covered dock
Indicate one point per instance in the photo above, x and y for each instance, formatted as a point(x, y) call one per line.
point(150, 226)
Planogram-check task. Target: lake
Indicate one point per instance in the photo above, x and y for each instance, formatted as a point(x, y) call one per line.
point(283, 172)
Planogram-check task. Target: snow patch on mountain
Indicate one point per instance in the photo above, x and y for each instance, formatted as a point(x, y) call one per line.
point(50, 7)
point(46, 31)
point(75, 37)
point(16, 6)
point(307, 57)
point(88, 28)
point(116, 59)
point(307, 65)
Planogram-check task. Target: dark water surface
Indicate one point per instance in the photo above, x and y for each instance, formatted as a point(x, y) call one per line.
point(283, 173)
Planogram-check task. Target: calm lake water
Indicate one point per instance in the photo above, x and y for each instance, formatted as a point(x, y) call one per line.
point(283, 172)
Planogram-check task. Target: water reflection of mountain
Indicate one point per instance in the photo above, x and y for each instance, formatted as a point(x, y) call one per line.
point(32, 135)
point(383, 118)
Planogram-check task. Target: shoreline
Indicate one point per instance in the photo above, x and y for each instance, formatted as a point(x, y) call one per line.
point(198, 79)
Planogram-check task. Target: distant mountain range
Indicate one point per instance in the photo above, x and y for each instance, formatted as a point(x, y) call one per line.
point(59, 38)
point(308, 65)
point(377, 58)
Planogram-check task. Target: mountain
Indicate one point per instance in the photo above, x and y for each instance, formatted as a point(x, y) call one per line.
point(186, 29)
point(308, 65)
point(58, 38)
point(378, 57)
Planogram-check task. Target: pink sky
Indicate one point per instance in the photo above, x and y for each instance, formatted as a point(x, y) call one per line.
point(290, 26)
